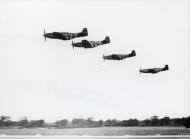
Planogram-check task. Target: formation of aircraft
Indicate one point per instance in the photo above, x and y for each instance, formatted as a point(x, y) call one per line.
point(154, 70)
point(91, 44)
point(119, 56)
point(65, 35)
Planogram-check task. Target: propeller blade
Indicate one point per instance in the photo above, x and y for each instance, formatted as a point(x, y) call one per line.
point(44, 34)
point(73, 44)
point(103, 57)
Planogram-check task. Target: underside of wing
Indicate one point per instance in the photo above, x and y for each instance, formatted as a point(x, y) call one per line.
point(86, 44)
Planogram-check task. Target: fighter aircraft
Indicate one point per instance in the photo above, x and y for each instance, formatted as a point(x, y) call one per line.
point(154, 70)
point(119, 56)
point(65, 35)
point(91, 44)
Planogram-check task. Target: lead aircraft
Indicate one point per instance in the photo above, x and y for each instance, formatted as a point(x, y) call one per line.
point(65, 35)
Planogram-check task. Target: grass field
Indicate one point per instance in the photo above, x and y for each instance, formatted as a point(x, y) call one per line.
point(100, 131)
point(16, 137)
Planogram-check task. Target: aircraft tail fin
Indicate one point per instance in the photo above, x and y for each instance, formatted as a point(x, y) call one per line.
point(44, 34)
point(166, 67)
point(84, 32)
point(133, 53)
point(106, 40)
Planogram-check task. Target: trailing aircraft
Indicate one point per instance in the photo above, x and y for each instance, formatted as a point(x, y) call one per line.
point(91, 44)
point(65, 35)
point(119, 56)
point(154, 70)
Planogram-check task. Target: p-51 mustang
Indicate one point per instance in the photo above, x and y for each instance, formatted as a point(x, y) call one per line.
point(65, 35)
point(119, 56)
point(154, 70)
point(91, 44)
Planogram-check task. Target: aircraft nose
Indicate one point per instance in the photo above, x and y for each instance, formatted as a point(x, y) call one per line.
point(45, 35)
point(48, 35)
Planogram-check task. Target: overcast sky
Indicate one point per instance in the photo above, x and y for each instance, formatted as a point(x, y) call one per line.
point(52, 81)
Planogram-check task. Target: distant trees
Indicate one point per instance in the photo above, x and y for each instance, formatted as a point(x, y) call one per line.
point(165, 121)
point(109, 123)
point(79, 122)
point(130, 122)
point(5, 121)
point(133, 122)
point(23, 122)
point(62, 123)
point(146, 122)
point(186, 122)
point(36, 123)
point(155, 121)
point(100, 122)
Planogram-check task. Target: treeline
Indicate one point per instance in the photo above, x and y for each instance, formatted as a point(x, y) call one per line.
point(5, 121)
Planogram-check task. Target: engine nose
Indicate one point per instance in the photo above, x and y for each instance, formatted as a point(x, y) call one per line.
point(48, 35)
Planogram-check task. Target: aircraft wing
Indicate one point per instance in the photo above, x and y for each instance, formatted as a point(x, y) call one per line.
point(86, 43)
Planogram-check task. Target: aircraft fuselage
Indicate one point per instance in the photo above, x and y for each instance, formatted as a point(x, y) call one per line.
point(66, 35)
point(119, 56)
point(62, 36)
point(154, 70)
point(90, 44)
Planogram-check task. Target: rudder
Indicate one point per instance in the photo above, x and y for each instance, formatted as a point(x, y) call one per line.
point(133, 53)
point(85, 31)
point(166, 67)
point(107, 40)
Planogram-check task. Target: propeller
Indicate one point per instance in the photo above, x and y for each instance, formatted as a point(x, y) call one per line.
point(103, 57)
point(44, 34)
point(73, 44)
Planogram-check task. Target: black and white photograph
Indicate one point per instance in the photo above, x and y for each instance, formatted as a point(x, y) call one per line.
point(75, 69)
